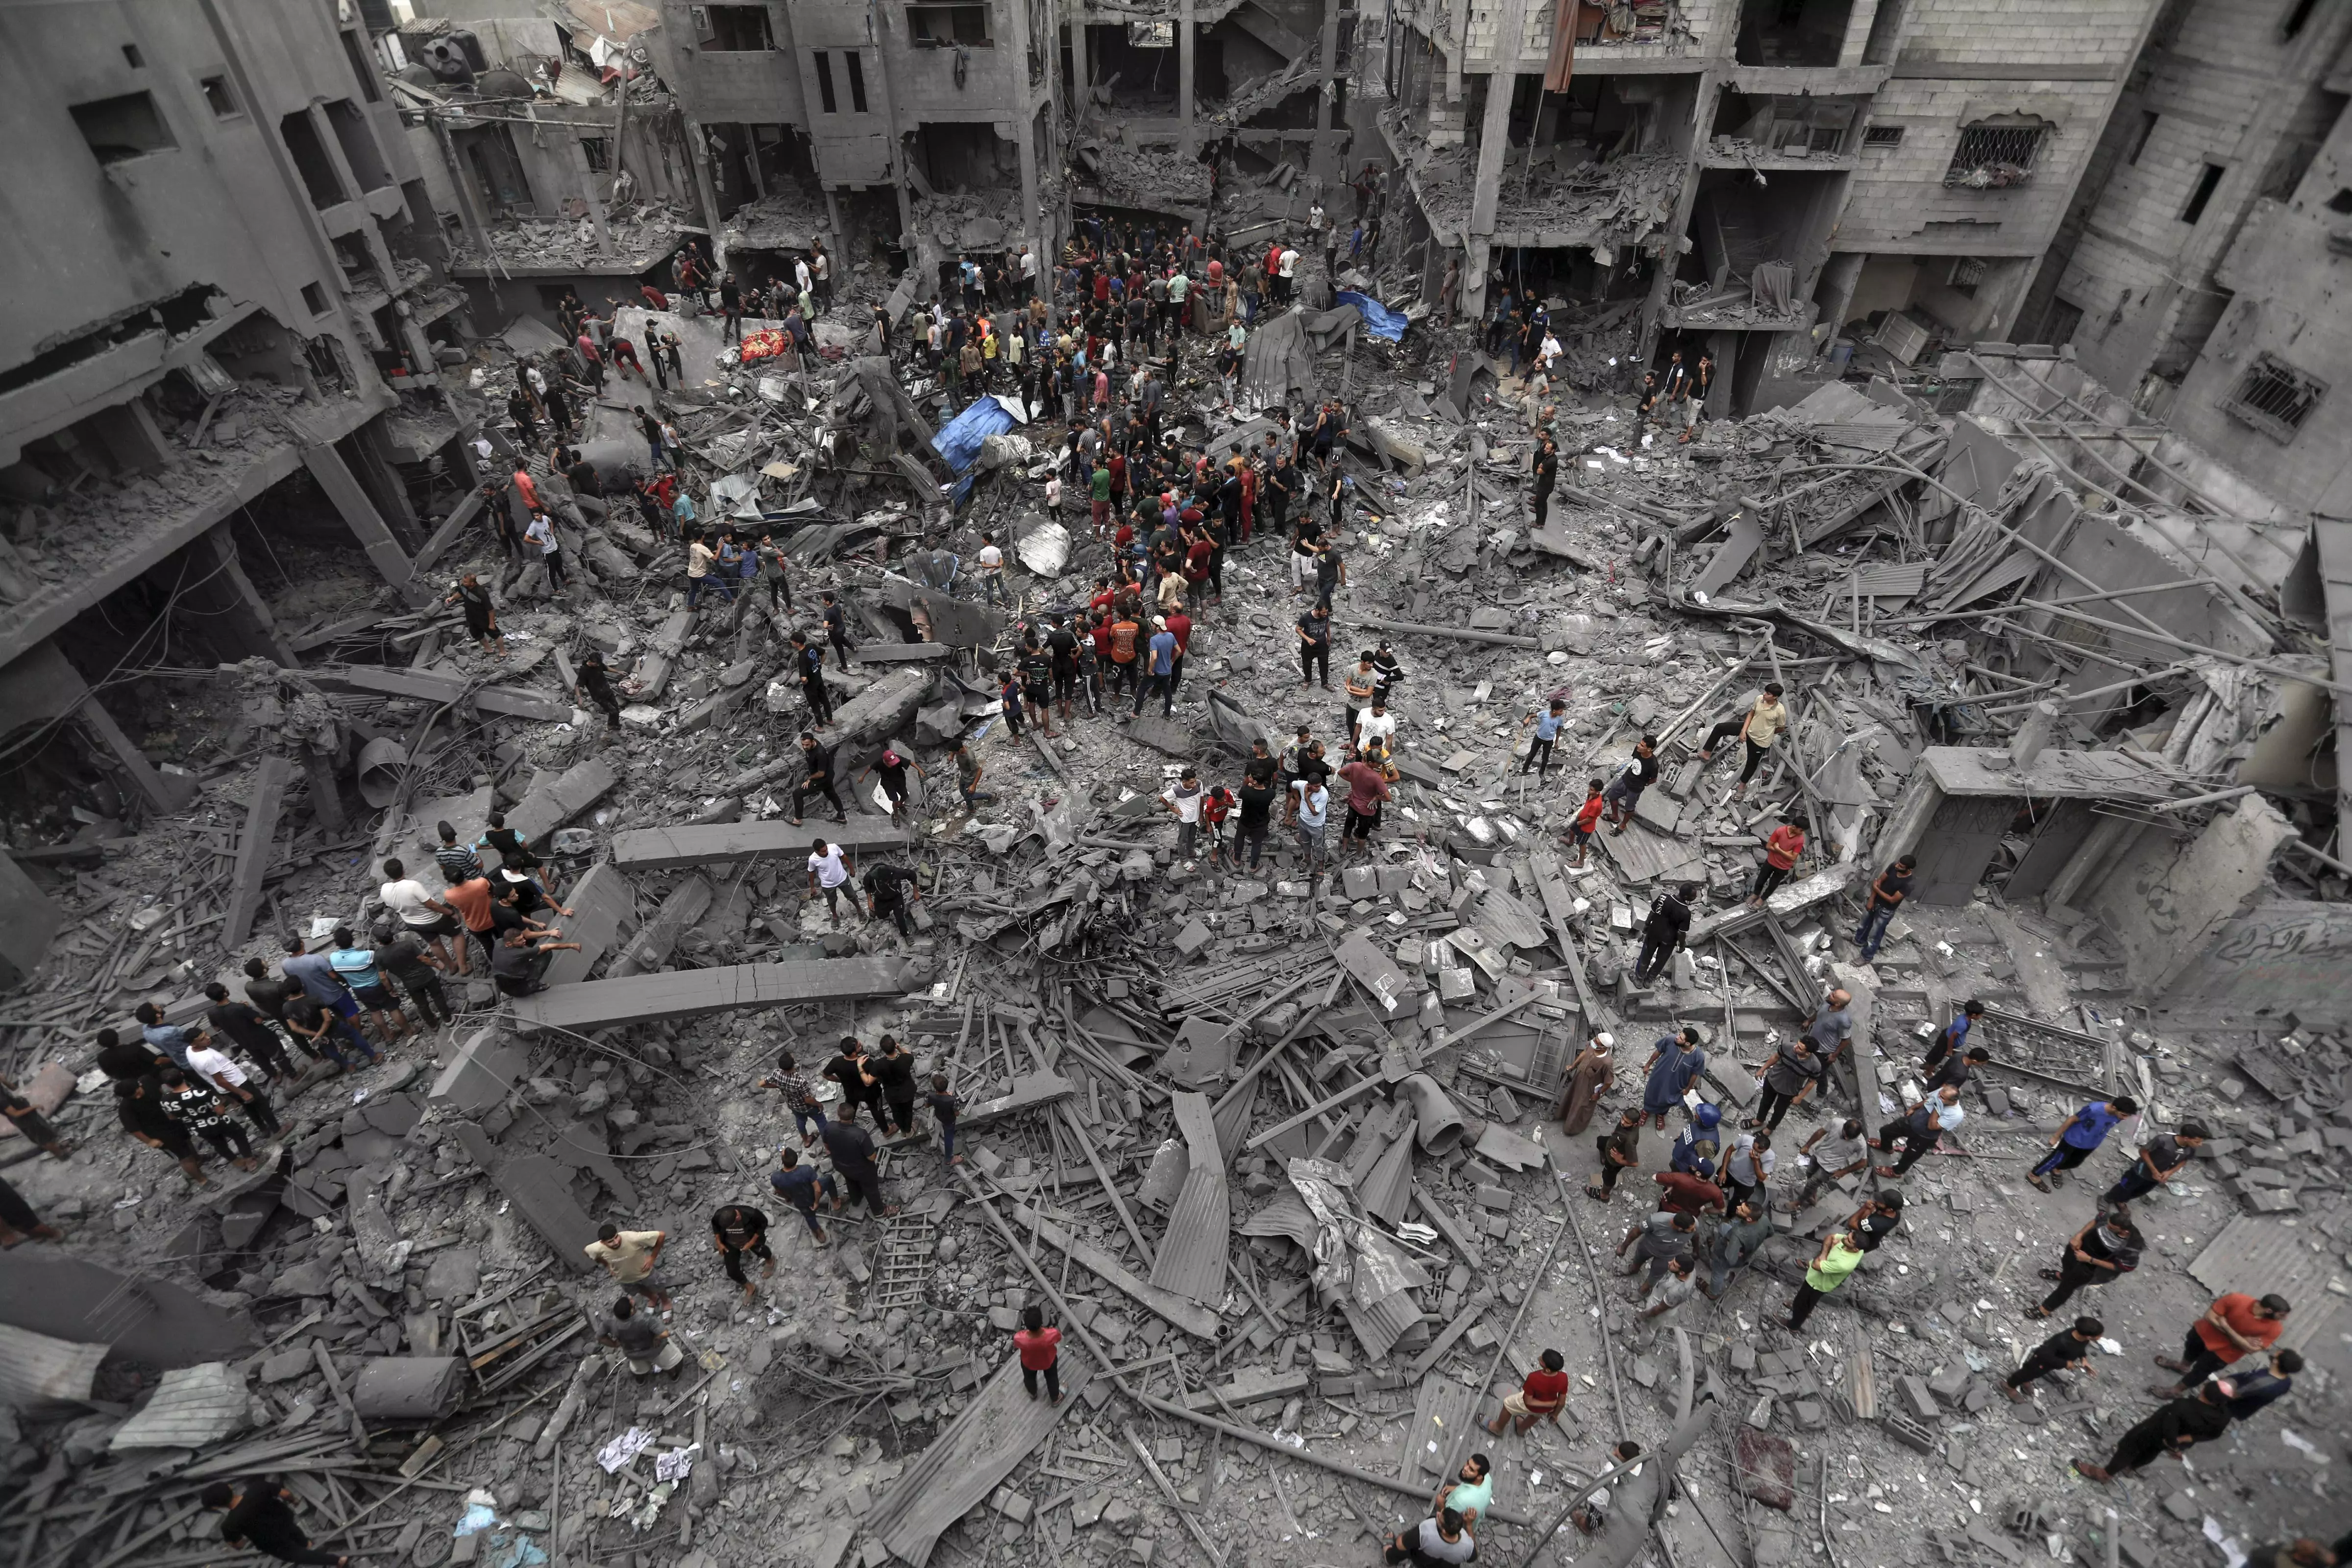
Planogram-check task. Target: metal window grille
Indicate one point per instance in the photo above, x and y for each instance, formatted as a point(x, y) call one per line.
point(2274, 397)
point(1883, 136)
point(1989, 157)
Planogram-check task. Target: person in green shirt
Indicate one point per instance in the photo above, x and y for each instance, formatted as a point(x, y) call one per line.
point(1838, 1258)
point(1098, 487)
point(1472, 1495)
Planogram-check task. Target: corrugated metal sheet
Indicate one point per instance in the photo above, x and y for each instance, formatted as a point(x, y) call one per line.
point(35, 1368)
point(2260, 1254)
point(1645, 856)
point(965, 1463)
point(1191, 1260)
point(1441, 1415)
point(1379, 1326)
point(191, 1407)
point(1285, 1214)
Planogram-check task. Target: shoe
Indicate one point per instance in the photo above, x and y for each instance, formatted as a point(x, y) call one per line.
point(2014, 1396)
point(2170, 1364)
point(2037, 1182)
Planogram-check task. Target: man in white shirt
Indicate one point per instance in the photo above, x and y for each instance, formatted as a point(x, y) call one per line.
point(1310, 812)
point(1183, 803)
point(1375, 724)
point(1286, 272)
point(421, 912)
point(991, 569)
point(210, 1064)
point(828, 869)
point(541, 533)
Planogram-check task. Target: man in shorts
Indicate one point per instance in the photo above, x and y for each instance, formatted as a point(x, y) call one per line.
point(628, 1257)
point(643, 1339)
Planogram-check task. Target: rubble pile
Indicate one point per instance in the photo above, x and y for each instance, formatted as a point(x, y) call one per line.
point(1278, 1148)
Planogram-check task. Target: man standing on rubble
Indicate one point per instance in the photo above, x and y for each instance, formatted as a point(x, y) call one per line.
point(1736, 1244)
point(1673, 1066)
point(1545, 466)
point(2080, 1137)
point(1756, 728)
point(1665, 930)
point(1624, 791)
point(628, 1258)
point(1886, 896)
point(809, 663)
point(260, 1514)
point(1621, 1151)
point(851, 1149)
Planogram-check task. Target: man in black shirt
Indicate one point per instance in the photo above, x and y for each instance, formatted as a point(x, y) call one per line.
point(1957, 1070)
point(2156, 1162)
point(809, 664)
point(595, 684)
point(851, 1149)
point(1315, 647)
point(2100, 1253)
point(818, 778)
point(1624, 791)
point(891, 1077)
point(517, 961)
point(2068, 1347)
point(739, 1230)
point(1664, 931)
point(2174, 1428)
point(1036, 669)
point(1546, 466)
point(836, 632)
point(1062, 651)
point(1886, 896)
point(248, 1030)
point(731, 306)
point(847, 1069)
point(1257, 796)
point(888, 891)
point(406, 958)
point(137, 1105)
point(260, 1514)
point(1875, 1220)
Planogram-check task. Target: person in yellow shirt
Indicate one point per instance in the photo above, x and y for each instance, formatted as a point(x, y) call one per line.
point(1756, 728)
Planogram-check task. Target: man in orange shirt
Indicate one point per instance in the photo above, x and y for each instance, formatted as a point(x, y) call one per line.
point(2233, 1325)
point(1123, 632)
point(472, 899)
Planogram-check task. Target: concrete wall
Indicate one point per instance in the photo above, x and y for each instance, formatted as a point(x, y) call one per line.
point(2219, 87)
point(2289, 288)
point(88, 242)
point(2279, 957)
point(2163, 899)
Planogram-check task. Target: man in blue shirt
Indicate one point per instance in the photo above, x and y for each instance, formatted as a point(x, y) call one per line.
point(169, 1040)
point(315, 973)
point(1547, 728)
point(355, 966)
point(1673, 1068)
point(2085, 1131)
point(2244, 1394)
point(1954, 1035)
point(800, 1186)
point(1159, 666)
point(1698, 1143)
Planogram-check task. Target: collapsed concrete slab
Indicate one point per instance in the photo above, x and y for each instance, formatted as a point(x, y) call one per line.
point(696, 993)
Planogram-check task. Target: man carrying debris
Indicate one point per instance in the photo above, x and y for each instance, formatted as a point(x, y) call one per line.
point(2154, 1162)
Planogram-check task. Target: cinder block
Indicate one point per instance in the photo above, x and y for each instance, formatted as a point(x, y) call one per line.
point(1920, 1402)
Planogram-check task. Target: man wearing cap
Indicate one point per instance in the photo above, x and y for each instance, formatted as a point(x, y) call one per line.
point(1158, 668)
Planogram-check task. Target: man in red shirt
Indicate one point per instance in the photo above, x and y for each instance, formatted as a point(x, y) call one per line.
point(526, 488)
point(1367, 789)
point(1041, 1350)
point(2232, 1326)
point(1180, 626)
point(1580, 832)
point(1541, 1398)
point(1690, 1192)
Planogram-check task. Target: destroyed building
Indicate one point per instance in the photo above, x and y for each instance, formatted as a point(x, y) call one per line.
point(1296, 1153)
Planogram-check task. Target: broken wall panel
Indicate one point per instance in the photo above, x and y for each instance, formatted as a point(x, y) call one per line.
point(696, 993)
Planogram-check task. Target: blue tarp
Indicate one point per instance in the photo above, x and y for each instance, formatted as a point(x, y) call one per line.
point(959, 439)
point(1383, 324)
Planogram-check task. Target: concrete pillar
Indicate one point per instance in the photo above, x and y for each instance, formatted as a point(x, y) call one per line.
point(1187, 38)
point(1840, 274)
point(2033, 736)
point(706, 197)
point(228, 594)
point(1495, 129)
point(1857, 32)
point(878, 23)
point(1024, 128)
point(1319, 160)
point(28, 919)
point(344, 489)
point(1474, 279)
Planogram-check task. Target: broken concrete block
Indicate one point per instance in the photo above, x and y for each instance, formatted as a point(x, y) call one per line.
point(407, 1387)
point(1949, 1381)
point(1920, 1402)
point(480, 1076)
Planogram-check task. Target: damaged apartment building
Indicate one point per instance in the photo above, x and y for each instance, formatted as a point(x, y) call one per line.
point(1790, 186)
point(227, 317)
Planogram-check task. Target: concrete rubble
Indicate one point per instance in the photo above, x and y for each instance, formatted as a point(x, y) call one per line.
point(1278, 1148)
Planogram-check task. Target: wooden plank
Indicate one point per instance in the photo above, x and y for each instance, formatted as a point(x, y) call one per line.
point(424, 687)
point(347, 626)
point(731, 844)
point(258, 848)
point(1190, 1316)
point(1559, 908)
point(696, 993)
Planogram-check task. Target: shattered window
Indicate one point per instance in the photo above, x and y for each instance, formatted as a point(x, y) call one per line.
point(2274, 398)
point(1990, 157)
point(949, 26)
point(1151, 35)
